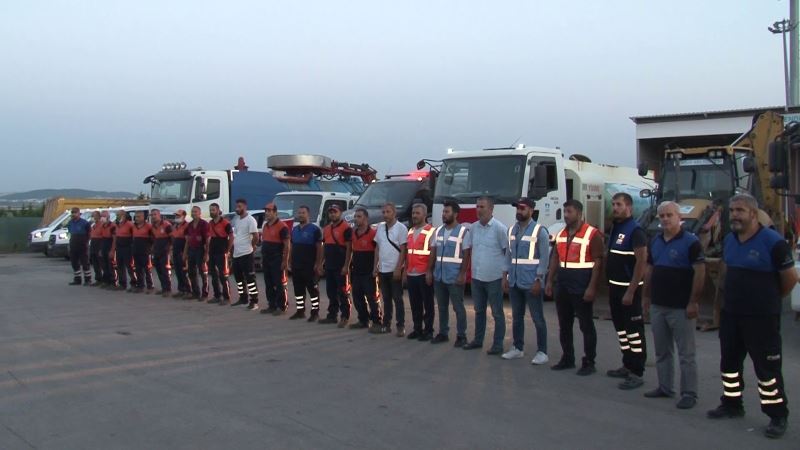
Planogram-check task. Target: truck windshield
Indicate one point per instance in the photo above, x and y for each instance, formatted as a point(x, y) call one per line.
point(466, 179)
point(287, 205)
point(171, 191)
point(399, 192)
point(701, 178)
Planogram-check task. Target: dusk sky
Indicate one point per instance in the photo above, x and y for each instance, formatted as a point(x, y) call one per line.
point(98, 94)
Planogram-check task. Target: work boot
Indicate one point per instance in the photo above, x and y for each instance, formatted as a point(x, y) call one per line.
point(97, 283)
point(270, 310)
point(401, 331)
point(241, 303)
point(425, 336)
point(76, 282)
point(440, 338)
point(252, 307)
point(328, 321)
point(725, 412)
point(776, 428)
point(166, 294)
point(87, 281)
point(377, 328)
point(214, 300)
point(299, 314)
point(622, 372)
point(150, 290)
point(686, 402)
point(343, 322)
point(279, 312)
point(472, 345)
point(585, 370)
point(632, 382)
point(179, 295)
point(657, 393)
point(358, 326)
point(564, 364)
point(414, 334)
point(314, 315)
point(495, 351)
point(461, 341)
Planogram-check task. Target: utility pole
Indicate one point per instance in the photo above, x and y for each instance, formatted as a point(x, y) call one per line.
point(794, 77)
point(782, 27)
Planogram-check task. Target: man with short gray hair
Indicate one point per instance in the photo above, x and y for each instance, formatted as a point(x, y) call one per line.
point(489, 245)
point(674, 281)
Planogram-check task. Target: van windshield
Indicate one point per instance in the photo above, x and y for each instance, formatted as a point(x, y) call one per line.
point(399, 192)
point(287, 205)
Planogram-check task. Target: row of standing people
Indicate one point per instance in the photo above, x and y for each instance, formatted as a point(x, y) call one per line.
point(664, 275)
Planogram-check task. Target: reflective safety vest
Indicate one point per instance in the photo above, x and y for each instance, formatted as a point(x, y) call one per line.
point(621, 257)
point(449, 254)
point(576, 253)
point(419, 250)
point(524, 255)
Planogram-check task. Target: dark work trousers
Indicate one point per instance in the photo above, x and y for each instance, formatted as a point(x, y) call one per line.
point(629, 324)
point(305, 280)
point(96, 258)
point(218, 269)
point(760, 337)
point(338, 290)
point(161, 264)
point(195, 266)
point(392, 299)
point(79, 258)
point(109, 272)
point(568, 306)
point(144, 274)
point(420, 295)
point(244, 271)
point(125, 266)
point(179, 269)
point(275, 282)
point(365, 298)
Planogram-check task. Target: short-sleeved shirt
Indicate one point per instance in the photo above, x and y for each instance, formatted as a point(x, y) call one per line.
point(196, 234)
point(272, 240)
point(752, 279)
point(162, 232)
point(335, 238)
point(142, 238)
point(80, 227)
point(363, 252)
point(243, 229)
point(489, 244)
point(219, 233)
point(304, 246)
point(673, 268)
point(388, 255)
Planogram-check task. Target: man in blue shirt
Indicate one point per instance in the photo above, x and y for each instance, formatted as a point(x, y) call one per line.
point(674, 281)
point(306, 263)
point(79, 230)
point(526, 267)
point(489, 244)
point(759, 273)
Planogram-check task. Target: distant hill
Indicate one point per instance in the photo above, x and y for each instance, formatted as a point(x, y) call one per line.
point(44, 194)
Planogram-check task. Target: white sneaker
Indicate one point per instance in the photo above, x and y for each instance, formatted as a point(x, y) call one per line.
point(540, 358)
point(514, 353)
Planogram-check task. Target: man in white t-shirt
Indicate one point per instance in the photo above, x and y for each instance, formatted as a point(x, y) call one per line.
point(391, 237)
point(245, 241)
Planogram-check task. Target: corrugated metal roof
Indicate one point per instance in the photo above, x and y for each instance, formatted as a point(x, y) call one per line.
point(709, 114)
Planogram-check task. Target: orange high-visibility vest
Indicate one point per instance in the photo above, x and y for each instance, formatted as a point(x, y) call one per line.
point(419, 250)
point(576, 254)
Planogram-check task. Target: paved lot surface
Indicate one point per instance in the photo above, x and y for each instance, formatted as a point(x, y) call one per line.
point(84, 368)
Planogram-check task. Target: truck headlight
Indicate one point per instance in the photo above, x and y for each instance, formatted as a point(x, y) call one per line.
point(62, 236)
point(37, 235)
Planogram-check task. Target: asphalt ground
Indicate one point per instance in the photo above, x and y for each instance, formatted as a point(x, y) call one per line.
point(84, 368)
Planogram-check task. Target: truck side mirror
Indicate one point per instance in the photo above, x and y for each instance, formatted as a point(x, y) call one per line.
point(646, 193)
point(539, 182)
point(777, 157)
point(643, 169)
point(749, 164)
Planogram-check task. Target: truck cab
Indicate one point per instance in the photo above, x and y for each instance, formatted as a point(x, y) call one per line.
point(403, 190)
point(176, 187)
point(539, 173)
